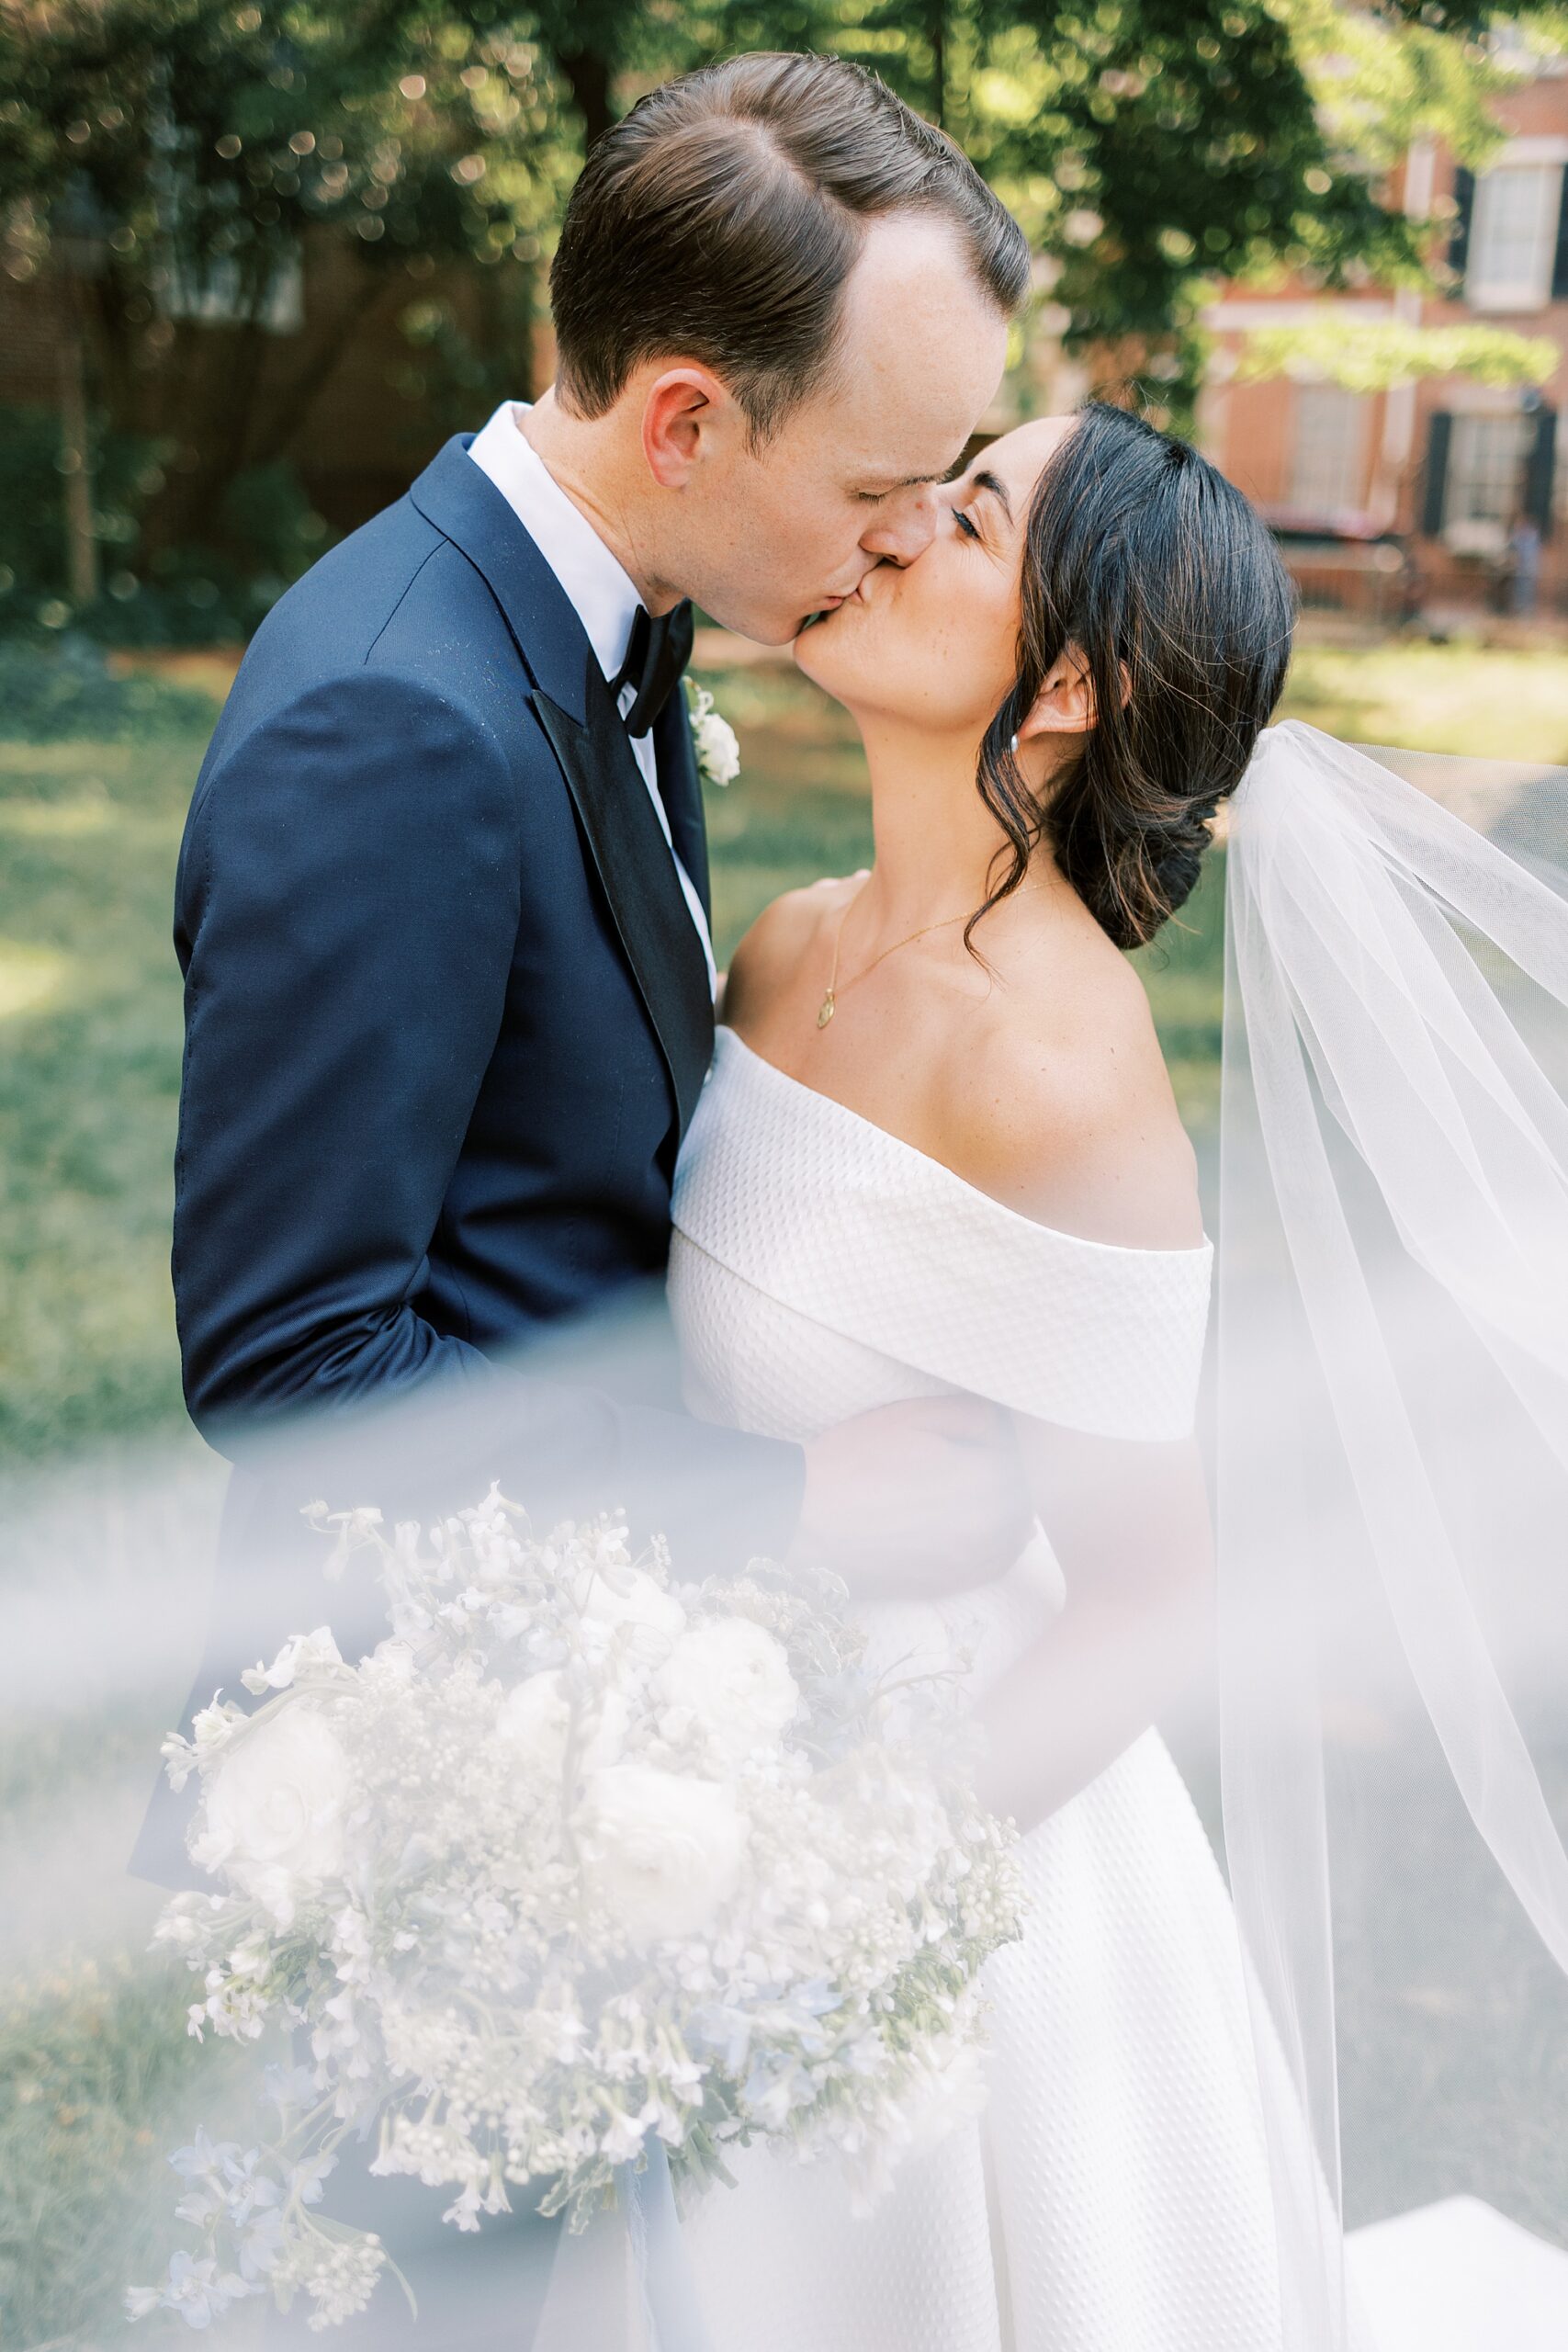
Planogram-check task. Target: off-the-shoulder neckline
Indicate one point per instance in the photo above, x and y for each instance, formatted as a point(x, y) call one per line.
point(939, 1170)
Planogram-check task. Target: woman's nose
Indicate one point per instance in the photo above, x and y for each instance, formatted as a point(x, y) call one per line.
point(905, 526)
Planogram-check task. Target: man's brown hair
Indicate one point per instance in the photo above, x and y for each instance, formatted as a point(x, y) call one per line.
point(720, 220)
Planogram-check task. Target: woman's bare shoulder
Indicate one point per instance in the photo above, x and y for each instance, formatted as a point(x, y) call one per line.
point(1062, 1105)
point(785, 935)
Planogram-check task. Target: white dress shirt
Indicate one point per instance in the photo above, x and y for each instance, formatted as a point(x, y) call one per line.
point(601, 594)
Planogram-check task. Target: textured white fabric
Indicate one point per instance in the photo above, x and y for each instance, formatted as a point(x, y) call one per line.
point(1114, 2196)
point(841, 1222)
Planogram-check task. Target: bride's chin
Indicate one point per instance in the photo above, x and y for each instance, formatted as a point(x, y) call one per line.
point(820, 656)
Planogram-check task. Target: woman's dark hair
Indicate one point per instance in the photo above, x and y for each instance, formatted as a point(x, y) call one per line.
point(721, 219)
point(1140, 557)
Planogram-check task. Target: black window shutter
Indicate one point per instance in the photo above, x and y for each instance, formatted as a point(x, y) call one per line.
point(1539, 468)
point(1560, 264)
point(1435, 489)
point(1459, 242)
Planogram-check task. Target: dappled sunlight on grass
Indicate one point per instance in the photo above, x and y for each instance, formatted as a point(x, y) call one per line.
point(89, 1078)
point(1506, 703)
point(31, 978)
point(90, 993)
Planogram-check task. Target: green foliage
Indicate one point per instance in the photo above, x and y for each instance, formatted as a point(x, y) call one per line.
point(98, 2081)
point(65, 691)
point(1374, 355)
point(189, 133)
point(261, 533)
point(1151, 147)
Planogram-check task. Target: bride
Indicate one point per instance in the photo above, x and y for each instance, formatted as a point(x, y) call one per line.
point(939, 1149)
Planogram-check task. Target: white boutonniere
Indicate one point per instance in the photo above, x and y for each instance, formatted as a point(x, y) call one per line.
point(718, 749)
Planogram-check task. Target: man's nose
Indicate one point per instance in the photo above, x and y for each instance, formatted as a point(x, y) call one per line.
point(905, 526)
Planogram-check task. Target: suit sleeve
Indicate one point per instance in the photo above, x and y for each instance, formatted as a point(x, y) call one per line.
point(349, 898)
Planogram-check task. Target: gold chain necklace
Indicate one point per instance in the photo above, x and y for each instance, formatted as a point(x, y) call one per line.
point(831, 999)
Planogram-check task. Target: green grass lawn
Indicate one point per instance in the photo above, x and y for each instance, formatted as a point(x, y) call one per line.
point(89, 993)
point(89, 1077)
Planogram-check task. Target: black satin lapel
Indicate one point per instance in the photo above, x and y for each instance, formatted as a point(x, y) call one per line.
point(683, 792)
point(632, 861)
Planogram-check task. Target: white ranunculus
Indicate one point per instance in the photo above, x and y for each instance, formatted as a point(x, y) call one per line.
point(536, 1718)
point(274, 1808)
point(664, 1852)
point(733, 1679)
point(630, 1597)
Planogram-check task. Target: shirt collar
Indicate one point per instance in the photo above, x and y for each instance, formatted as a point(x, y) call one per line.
point(600, 590)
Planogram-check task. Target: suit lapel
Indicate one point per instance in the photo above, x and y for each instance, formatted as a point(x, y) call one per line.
point(629, 852)
point(681, 792)
point(633, 865)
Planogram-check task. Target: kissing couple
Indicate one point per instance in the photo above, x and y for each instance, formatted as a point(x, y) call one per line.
point(907, 1186)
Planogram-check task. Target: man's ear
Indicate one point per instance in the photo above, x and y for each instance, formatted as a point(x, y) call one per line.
point(1066, 704)
point(682, 407)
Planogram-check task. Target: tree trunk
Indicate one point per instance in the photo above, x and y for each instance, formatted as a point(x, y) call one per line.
point(291, 410)
point(589, 78)
point(76, 459)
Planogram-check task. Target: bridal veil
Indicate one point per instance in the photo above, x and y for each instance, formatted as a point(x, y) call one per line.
point(1391, 1470)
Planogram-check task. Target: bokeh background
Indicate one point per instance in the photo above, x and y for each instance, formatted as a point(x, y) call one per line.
point(256, 262)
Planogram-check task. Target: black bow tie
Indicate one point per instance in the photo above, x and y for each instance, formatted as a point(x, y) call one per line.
point(656, 654)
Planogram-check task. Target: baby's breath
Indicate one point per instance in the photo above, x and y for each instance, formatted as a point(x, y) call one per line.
point(577, 1857)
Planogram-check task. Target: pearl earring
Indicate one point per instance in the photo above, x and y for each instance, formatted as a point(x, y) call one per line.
point(1012, 747)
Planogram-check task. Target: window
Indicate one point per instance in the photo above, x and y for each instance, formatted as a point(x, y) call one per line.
point(1487, 455)
point(215, 293)
point(1326, 468)
point(1513, 237)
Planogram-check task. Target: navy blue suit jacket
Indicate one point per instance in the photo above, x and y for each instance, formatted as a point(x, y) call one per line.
point(448, 1017)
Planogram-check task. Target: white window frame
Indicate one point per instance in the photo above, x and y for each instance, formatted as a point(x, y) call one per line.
point(209, 294)
point(1509, 261)
point(1488, 454)
point(1328, 455)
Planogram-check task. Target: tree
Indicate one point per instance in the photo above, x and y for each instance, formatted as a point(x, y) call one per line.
point(210, 144)
point(1152, 148)
point(1376, 355)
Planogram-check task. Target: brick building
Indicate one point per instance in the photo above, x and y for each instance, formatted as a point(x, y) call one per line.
point(328, 379)
point(1429, 477)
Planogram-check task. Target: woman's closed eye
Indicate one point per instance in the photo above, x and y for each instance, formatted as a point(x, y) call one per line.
point(965, 525)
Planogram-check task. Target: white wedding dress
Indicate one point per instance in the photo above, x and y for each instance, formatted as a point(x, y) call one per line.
point(1113, 2196)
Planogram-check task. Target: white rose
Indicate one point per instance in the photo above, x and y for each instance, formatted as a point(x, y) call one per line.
point(733, 1679)
point(274, 1808)
point(536, 1718)
point(631, 1598)
point(664, 1852)
point(720, 749)
point(716, 743)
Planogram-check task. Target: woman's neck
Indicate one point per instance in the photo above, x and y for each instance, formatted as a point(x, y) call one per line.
point(936, 841)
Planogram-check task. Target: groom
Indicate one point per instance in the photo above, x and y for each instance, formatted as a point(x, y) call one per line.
point(443, 898)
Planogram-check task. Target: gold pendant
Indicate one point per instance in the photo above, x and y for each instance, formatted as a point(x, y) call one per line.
point(827, 1013)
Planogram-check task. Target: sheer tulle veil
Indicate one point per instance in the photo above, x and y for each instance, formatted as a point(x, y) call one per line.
point(1391, 1426)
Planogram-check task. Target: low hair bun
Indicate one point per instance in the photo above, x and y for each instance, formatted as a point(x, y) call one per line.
point(1144, 558)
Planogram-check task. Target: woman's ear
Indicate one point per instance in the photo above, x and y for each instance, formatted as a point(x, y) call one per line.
point(1066, 704)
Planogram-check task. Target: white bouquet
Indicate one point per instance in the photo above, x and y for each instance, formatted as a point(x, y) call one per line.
point(572, 1858)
